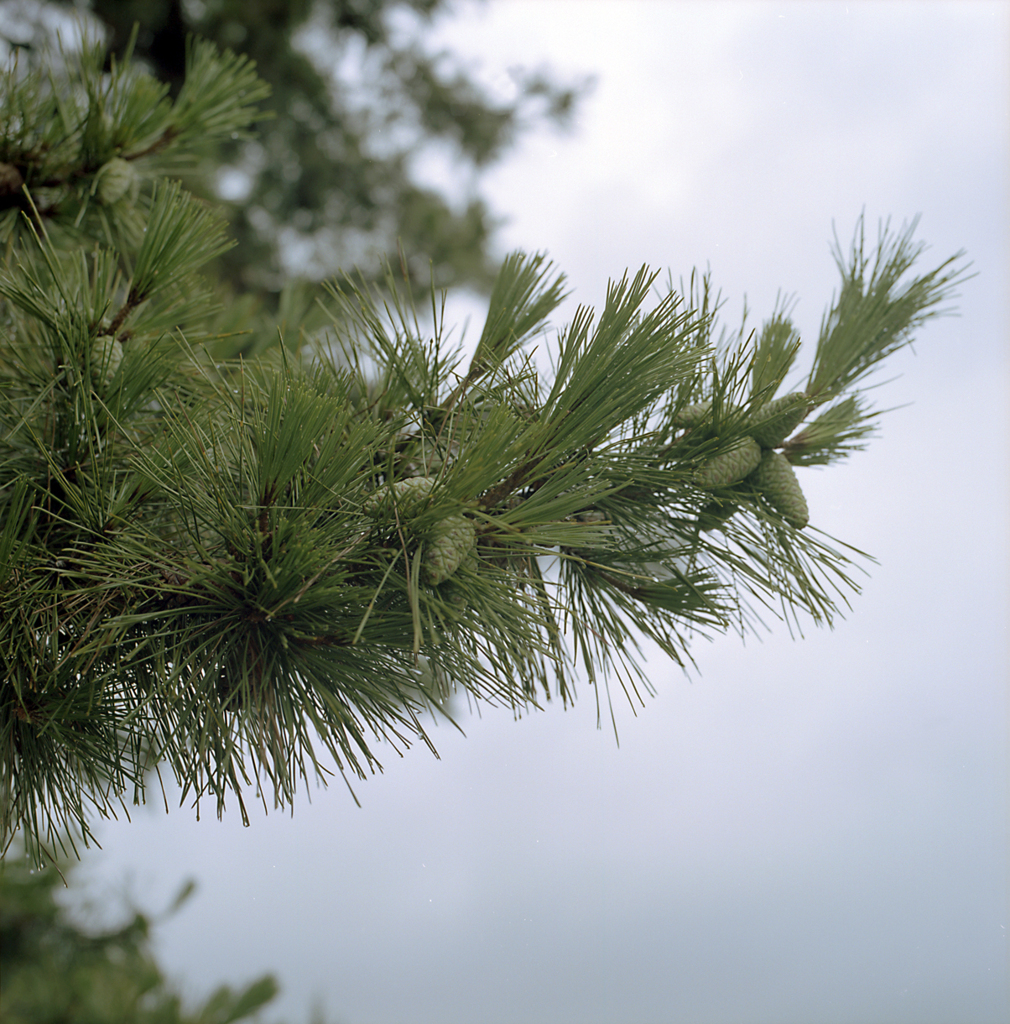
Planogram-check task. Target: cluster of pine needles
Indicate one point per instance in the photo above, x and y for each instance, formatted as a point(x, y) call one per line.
point(250, 555)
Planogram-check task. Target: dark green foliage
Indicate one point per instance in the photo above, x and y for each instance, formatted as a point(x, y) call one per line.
point(53, 971)
point(59, 140)
point(323, 168)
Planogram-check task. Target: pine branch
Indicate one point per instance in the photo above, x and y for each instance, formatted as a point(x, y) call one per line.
point(79, 139)
point(522, 299)
point(877, 312)
point(246, 571)
point(775, 352)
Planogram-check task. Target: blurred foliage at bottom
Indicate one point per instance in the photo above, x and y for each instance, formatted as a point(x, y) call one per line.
point(55, 971)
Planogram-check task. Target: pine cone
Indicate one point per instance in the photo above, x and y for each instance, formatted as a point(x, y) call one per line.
point(692, 415)
point(592, 515)
point(776, 420)
point(729, 467)
point(776, 480)
point(410, 490)
point(114, 180)
point(451, 543)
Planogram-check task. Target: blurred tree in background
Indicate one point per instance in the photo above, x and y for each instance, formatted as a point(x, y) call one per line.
point(55, 971)
point(357, 100)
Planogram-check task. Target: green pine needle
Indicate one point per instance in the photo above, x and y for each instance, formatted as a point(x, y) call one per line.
point(877, 310)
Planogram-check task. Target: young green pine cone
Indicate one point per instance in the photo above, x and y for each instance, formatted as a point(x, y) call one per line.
point(114, 180)
point(729, 467)
point(410, 490)
point(776, 480)
point(692, 415)
point(451, 543)
point(776, 420)
point(592, 515)
point(106, 355)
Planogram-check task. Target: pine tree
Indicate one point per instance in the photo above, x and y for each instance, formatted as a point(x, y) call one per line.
point(237, 570)
point(54, 971)
point(332, 169)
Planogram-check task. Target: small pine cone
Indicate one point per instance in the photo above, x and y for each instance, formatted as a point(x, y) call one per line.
point(592, 515)
point(114, 180)
point(451, 544)
point(106, 355)
point(776, 480)
point(729, 467)
point(692, 415)
point(776, 420)
point(413, 488)
point(410, 490)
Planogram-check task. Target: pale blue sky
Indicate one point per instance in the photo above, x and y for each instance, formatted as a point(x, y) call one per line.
point(808, 830)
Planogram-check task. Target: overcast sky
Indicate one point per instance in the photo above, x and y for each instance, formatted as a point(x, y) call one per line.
point(808, 830)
